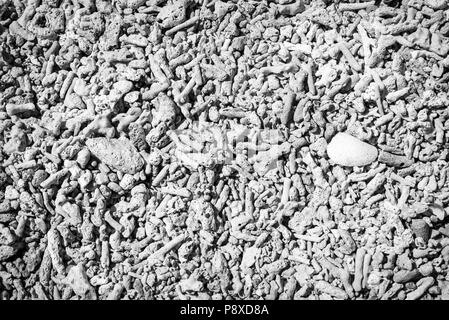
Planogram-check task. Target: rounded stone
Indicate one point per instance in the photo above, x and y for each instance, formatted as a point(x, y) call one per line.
point(346, 150)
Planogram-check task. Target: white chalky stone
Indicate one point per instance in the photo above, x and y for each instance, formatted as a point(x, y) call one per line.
point(346, 150)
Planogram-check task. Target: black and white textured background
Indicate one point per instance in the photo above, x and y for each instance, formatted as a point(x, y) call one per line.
point(203, 149)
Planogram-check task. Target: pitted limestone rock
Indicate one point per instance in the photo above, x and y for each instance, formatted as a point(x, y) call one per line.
point(346, 150)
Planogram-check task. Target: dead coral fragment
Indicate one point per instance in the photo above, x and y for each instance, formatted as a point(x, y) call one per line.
point(173, 14)
point(347, 150)
point(79, 282)
point(119, 154)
